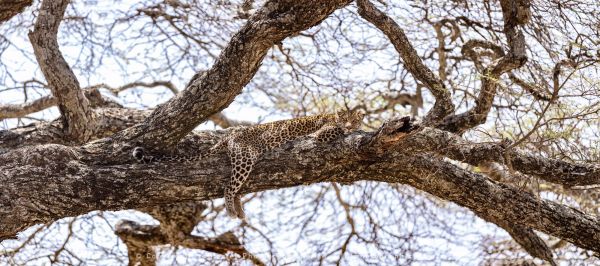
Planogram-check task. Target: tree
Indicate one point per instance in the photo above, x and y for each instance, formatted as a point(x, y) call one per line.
point(509, 134)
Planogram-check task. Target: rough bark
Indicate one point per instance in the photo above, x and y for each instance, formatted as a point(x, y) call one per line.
point(78, 182)
point(495, 201)
point(42, 183)
point(454, 147)
point(76, 114)
point(10, 8)
point(216, 87)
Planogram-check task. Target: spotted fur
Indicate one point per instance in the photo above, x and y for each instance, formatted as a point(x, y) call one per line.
point(245, 146)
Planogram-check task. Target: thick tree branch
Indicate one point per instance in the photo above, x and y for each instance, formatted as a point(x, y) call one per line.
point(456, 148)
point(413, 63)
point(217, 87)
point(10, 8)
point(82, 181)
point(77, 117)
point(499, 202)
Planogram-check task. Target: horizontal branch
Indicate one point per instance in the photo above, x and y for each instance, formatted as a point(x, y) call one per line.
point(23, 109)
point(20, 110)
point(116, 90)
point(108, 122)
point(450, 145)
point(81, 181)
point(225, 122)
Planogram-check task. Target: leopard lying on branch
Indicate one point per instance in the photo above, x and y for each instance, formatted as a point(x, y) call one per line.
point(245, 145)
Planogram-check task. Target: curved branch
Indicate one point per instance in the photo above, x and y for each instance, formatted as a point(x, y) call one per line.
point(413, 63)
point(515, 13)
point(76, 114)
point(468, 50)
point(218, 86)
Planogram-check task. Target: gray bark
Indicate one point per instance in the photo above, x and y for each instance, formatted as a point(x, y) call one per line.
point(217, 87)
point(77, 117)
point(79, 182)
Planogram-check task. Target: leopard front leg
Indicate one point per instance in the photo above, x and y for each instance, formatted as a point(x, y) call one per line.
point(242, 162)
point(328, 133)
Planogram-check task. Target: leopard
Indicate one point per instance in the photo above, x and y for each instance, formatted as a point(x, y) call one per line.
point(245, 145)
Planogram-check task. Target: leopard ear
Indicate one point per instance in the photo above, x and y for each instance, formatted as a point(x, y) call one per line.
point(340, 116)
point(360, 114)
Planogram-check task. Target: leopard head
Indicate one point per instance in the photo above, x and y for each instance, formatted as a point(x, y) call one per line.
point(350, 120)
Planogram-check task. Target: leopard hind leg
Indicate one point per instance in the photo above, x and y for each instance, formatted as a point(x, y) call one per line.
point(242, 163)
